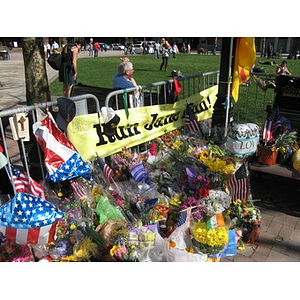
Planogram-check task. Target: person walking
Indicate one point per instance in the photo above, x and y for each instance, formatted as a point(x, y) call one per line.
point(68, 70)
point(165, 48)
point(156, 50)
point(270, 50)
point(96, 49)
point(55, 47)
point(174, 50)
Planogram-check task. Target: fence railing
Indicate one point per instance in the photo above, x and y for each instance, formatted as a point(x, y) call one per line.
point(157, 92)
point(254, 96)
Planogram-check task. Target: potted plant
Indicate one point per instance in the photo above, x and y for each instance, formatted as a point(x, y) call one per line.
point(283, 145)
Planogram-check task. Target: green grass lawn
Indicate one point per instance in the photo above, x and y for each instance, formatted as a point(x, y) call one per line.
point(99, 71)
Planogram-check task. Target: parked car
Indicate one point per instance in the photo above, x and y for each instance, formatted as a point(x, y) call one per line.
point(138, 48)
point(117, 46)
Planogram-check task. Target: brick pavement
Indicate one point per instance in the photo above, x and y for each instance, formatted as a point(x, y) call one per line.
point(279, 240)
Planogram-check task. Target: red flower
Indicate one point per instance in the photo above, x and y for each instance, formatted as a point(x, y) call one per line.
point(203, 192)
point(153, 148)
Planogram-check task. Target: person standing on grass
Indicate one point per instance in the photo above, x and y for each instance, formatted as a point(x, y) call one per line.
point(174, 50)
point(270, 51)
point(96, 49)
point(68, 70)
point(165, 48)
point(156, 50)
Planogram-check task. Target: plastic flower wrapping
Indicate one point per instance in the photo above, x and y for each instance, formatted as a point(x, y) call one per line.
point(172, 202)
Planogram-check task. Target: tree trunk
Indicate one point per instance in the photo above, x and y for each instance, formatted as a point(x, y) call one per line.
point(37, 87)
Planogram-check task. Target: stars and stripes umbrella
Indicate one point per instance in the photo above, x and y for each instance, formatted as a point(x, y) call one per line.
point(62, 160)
point(27, 219)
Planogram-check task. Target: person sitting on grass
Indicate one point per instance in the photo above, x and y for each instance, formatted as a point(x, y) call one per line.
point(272, 63)
point(282, 69)
point(123, 79)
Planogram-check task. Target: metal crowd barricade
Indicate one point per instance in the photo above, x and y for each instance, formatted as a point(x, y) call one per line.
point(254, 96)
point(80, 102)
point(156, 93)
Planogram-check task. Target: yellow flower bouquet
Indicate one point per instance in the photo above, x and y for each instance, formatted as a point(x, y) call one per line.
point(210, 237)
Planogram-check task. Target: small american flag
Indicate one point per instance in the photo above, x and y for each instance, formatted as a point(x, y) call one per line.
point(271, 125)
point(78, 190)
point(181, 218)
point(239, 184)
point(191, 122)
point(267, 133)
point(24, 183)
point(107, 171)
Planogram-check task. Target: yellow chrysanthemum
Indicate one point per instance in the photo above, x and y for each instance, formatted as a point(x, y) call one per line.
point(212, 237)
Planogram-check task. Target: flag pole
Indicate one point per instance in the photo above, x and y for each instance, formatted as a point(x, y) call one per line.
point(228, 102)
point(221, 115)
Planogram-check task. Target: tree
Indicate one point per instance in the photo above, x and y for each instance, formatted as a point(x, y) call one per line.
point(37, 86)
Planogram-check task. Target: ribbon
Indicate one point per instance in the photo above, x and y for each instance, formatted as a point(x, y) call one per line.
point(125, 103)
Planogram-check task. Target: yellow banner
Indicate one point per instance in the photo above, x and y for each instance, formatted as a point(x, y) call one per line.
point(87, 132)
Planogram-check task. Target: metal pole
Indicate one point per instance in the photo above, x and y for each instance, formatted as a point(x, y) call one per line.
point(227, 56)
point(227, 103)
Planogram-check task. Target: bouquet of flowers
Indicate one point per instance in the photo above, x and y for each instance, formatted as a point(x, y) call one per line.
point(246, 218)
point(211, 236)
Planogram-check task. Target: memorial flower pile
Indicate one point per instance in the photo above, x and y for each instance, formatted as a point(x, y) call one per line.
point(169, 203)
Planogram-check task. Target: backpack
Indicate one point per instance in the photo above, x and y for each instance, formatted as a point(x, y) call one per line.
point(67, 55)
point(56, 59)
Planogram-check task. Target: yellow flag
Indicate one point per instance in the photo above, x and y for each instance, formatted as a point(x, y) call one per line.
point(245, 56)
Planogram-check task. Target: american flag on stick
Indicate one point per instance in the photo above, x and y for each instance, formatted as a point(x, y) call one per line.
point(106, 169)
point(191, 122)
point(239, 184)
point(24, 183)
point(271, 125)
point(78, 190)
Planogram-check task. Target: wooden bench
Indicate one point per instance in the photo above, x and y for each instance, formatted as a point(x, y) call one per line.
point(282, 170)
point(4, 54)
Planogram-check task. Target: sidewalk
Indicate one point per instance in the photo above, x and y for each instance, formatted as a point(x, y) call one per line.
point(279, 240)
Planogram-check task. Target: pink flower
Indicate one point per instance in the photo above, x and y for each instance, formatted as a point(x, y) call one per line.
point(119, 202)
point(120, 251)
